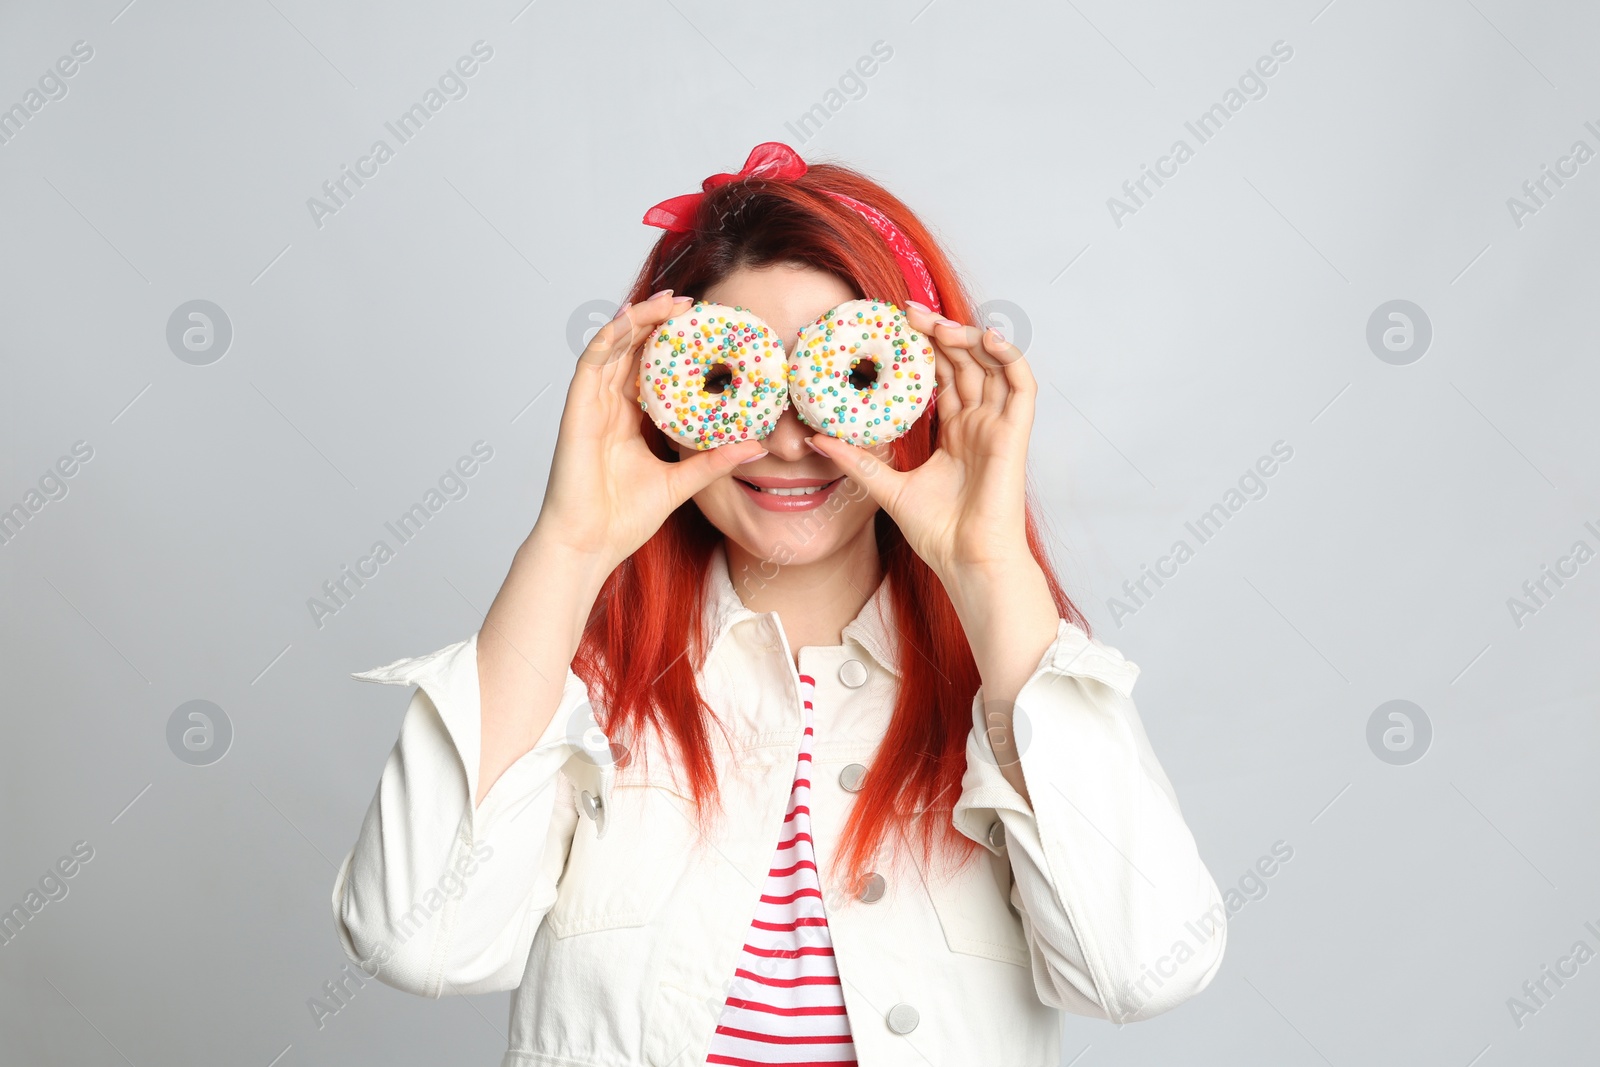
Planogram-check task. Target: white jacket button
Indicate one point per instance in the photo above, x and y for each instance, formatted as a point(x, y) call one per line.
point(590, 804)
point(851, 777)
point(997, 834)
point(853, 673)
point(871, 888)
point(903, 1018)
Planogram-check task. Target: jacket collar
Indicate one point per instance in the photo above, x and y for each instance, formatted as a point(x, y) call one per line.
point(873, 627)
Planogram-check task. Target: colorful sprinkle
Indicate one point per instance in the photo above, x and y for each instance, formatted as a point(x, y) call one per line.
point(820, 368)
point(673, 377)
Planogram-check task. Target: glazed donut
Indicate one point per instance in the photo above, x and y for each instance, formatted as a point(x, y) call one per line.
point(713, 375)
point(861, 373)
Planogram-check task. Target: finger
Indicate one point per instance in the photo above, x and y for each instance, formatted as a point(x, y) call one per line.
point(921, 317)
point(948, 401)
point(638, 323)
point(627, 331)
point(996, 386)
point(609, 341)
point(954, 336)
point(1022, 388)
point(927, 323)
point(693, 473)
point(605, 382)
point(873, 473)
point(951, 339)
point(993, 391)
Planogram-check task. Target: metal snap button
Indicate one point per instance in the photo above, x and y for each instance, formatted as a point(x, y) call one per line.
point(853, 673)
point(852, 777)
point(590, 804)
point(997, 834)
point(903, 1018)
point(871, 890)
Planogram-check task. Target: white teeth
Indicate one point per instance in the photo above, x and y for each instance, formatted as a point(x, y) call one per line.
point(798, 491)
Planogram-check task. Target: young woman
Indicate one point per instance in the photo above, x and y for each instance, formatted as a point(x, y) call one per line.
point(785, 751)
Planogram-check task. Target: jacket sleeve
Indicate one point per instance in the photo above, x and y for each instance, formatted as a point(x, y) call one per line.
point(1121, 917)
point(437, 897)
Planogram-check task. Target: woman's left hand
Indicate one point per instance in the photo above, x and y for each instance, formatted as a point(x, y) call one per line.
point(963, 509)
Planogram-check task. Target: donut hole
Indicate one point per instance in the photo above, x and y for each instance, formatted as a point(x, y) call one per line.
point(718, 378)
point(863, 372)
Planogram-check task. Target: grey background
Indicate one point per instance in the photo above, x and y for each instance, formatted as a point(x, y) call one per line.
point(1229, 312)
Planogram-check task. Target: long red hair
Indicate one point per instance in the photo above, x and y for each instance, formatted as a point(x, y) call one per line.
point(643, 645)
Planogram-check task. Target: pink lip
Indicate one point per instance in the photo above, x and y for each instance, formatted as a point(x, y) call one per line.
point(772, 502)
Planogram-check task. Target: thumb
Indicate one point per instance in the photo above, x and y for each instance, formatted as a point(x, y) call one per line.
point(693, 473)
point(881, 481)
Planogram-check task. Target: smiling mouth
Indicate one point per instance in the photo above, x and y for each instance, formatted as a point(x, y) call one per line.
point(788, 490)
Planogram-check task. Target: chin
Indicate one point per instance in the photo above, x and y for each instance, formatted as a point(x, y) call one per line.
point(788, 520)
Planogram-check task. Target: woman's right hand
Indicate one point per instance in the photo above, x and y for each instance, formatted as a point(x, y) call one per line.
point(608, 492)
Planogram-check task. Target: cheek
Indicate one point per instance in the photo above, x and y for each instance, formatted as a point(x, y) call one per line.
point(843, 517)
point(719, 502)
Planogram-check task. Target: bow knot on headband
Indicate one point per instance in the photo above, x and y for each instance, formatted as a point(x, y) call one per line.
point(776, 161)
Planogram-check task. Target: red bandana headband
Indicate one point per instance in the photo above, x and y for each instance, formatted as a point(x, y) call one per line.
point(776, 161)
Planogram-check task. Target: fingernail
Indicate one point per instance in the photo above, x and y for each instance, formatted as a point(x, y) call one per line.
point(914, 304)
point(682, 300)
point(621, 311)
point(664, 292)
point(811, 442)
point(755, 457)
point(999, 334)
point(949, 322)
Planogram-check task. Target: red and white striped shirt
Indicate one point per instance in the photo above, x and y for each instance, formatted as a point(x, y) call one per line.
point(786, 1005)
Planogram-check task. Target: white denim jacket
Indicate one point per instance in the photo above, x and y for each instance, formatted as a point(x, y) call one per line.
point(578, 881)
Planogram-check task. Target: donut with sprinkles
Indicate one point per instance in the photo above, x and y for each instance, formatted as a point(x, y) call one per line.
point(861, 373)
point(713, 375)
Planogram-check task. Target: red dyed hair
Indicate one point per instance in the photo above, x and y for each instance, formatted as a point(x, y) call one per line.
point(642, 648)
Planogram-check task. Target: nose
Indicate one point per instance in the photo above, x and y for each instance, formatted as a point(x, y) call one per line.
point(787, 441)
